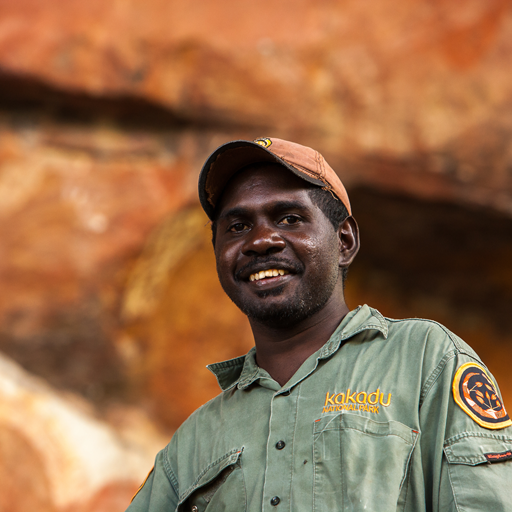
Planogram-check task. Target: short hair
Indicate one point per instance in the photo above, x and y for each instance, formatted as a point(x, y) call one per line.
point(330, 206)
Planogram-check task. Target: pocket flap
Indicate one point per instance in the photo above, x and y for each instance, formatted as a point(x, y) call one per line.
point(346, 421)
point(472, 448)
point(212, 471)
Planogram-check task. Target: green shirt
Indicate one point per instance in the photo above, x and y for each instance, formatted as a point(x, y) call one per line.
point(369, 422)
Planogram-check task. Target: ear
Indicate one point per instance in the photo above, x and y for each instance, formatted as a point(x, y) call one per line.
point(348, 234)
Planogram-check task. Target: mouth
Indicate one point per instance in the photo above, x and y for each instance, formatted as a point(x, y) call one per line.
point(268, 273)
point(271, 272)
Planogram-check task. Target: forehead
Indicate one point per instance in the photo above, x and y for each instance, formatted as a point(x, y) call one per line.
point(259, 183)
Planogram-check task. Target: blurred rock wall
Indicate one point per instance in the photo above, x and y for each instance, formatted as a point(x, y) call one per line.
point(111, 308)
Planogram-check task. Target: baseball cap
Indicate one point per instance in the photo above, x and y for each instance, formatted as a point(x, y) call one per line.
point(228, 159)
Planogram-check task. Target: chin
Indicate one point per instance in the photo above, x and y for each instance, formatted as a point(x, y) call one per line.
point(281, 314)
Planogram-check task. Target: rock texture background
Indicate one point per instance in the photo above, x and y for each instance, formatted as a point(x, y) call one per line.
point(110, 306)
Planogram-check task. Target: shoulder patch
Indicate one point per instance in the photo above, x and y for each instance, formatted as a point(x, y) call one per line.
point(265, 142)
point(476, 394)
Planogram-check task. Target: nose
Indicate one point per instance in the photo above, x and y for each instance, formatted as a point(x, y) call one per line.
point(263, 240)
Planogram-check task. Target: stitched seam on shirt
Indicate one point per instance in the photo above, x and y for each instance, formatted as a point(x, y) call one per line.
point(367, 327)
point(247, 381)
point(461, 459)
point(169, 473)
point(228, 388)
point(406, 483)
point(381, 435)
point(244, 487)
point(230, 363)
point(215, 398)
point(293, 440)
point(448, 333)
point(364, 328)
point(210, 466)
point(267, 447)
point(462, 435)
point(318, 159)
point(453, 488)
point(407, 478)
point(408, 467)
point(313, 461)
point(455, 341)
point(382, 320)
point(427, 387)
point(333, 347)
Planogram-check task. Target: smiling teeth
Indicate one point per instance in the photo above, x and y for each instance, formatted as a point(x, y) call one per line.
point(267, 273)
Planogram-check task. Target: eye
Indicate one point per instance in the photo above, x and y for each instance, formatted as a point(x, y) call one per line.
point(289, 220)
point(238, 227)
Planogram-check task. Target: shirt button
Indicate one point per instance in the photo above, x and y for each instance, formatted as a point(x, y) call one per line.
point(280, 445)
point(275, 501)
point(194, 509)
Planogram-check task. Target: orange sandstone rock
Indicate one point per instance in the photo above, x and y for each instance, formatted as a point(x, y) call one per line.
point(412, 95)
point(56, 455)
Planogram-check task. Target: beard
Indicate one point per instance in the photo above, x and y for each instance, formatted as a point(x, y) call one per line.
point(309, 299)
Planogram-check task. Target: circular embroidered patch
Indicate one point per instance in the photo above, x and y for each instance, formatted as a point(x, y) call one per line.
point(263, 142)
point(477, 396)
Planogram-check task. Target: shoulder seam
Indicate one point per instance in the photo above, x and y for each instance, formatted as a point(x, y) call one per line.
point(170, 473)
point(216, 397)
point(453, 338)
point(452, 487)
point(435, 374)
point(469, 434)
point(429, 384)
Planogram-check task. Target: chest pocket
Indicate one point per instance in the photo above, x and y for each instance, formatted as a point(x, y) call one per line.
point(220, 486)
point(360, 464)
point(480, 465)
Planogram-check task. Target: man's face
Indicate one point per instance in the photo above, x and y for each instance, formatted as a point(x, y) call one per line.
point(267, 224)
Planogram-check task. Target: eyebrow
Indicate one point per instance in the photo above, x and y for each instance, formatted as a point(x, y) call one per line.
point(234, 212)
point(239, 211)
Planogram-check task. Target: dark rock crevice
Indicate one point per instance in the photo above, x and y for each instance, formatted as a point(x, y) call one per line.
point(435, 252)
point(32, 97)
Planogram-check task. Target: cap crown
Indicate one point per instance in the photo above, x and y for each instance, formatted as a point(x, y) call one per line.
point(304, 162)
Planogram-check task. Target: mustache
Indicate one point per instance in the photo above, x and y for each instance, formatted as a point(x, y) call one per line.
point(258, 262)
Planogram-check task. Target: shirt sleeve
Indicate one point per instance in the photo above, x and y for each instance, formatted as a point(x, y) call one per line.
point(158, 492)
point(466, 440)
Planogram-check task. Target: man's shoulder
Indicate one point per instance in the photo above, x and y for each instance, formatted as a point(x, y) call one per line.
point(420, 340)
point(426, 332)
point(213, 406)
point(209, 416)
point(366, 317)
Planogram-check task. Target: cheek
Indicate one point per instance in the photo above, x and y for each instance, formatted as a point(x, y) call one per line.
point(322, 252)
point(225, 260)
point(223, 274)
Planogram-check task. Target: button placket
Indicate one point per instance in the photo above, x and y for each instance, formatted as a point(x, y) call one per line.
point(279, 451)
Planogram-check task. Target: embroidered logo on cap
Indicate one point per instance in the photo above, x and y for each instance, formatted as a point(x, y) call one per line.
point(475, 393)
point(263, 142)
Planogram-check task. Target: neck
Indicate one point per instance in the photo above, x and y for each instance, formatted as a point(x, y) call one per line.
point(281, 351)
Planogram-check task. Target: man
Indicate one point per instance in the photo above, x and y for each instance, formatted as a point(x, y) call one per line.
point(333, 409)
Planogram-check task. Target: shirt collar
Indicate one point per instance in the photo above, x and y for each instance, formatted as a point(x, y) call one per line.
point(243, 371)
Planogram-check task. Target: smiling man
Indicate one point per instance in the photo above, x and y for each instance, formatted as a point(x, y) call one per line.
point(332, 409)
